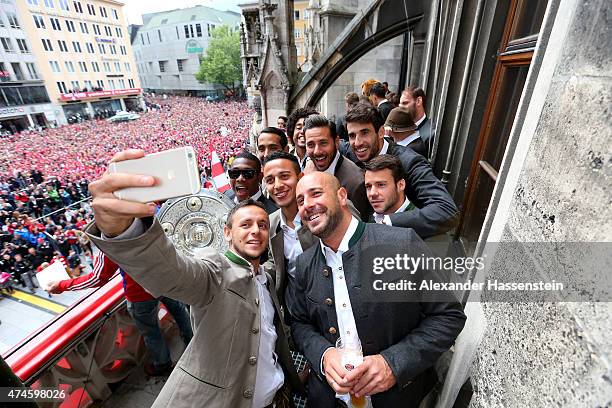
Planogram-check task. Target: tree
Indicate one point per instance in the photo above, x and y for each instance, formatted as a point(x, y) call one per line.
point(222, 64)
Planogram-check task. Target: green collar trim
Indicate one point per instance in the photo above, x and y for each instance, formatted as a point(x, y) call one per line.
point(236, 259)
point(357, 235)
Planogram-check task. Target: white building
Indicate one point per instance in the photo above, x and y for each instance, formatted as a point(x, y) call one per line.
point(169, 45)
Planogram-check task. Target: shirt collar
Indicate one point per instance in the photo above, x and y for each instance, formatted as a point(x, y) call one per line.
point(297, 221)
point(237, 259)
point(332, 167)
point(381, 102)
point(254, 197)
point(348, 237)
point(384, 148)
point(418, 122)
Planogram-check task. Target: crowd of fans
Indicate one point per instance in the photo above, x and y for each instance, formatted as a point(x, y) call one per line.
point(44, 175)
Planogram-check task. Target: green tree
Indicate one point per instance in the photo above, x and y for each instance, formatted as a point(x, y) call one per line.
point(222, 65)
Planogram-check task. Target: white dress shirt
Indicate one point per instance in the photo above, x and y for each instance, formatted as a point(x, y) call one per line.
point(385, 219)
point(409, 139)
point(381, 102)
point(269, 377)
point(384, 148)
point(332, 166)
point(292, 247)
point(344, 312)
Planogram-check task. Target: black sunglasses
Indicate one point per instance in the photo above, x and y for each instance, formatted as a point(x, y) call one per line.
point(246, 173)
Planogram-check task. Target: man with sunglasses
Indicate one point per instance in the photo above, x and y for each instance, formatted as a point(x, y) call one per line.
point(245, 178)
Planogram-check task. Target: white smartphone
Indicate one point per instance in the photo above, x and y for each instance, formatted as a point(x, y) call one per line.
point(176, 172)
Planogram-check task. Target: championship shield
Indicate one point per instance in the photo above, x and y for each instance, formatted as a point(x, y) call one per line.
point(196, 222)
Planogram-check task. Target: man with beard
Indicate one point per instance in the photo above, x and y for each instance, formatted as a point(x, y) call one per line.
point(245, 178)
point(400, 340)
point(436, 211)
point(239, 353)
point(385, 185)
point(322, 144)
point(295, 125)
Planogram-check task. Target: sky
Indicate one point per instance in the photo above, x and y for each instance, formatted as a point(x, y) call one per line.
point(134, 9)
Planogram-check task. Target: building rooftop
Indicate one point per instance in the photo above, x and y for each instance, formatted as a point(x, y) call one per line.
point(197, 13)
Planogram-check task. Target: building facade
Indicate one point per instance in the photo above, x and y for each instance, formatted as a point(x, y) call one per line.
point(24, 101)
point(300, 24)
point(169, 45)
point(83, 51)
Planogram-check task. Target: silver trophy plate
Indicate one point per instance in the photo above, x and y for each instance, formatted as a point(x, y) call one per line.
point(196, 222)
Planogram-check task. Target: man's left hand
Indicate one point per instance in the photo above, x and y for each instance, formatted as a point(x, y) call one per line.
point(374, 376)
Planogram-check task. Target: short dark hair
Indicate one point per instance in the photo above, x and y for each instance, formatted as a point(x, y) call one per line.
point(416, 92)
point(282, 117)
point(318, 121)
point(279, 132)
point(378, 89)
point(297, 115)
point(248, 156)
point(242, 204)
point(386, 161)
point(284, 155)
point(364, 113)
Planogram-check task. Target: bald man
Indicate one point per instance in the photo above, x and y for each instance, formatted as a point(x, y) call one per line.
point(325, 303)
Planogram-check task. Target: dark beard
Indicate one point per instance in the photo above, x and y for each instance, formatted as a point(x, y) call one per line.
point(335, 218)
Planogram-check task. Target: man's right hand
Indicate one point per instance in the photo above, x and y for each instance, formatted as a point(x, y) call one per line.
point(113, 216)
point(335, 372)
point(53, 287)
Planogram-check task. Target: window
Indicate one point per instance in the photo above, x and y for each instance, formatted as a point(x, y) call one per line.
point(17, 70)
point(198, 30)
point(55, 23)
point(178, 37)
point(23, 46)
point(108, 31)
point(162, 66)
point(47, 44)
point(69, 66)
point(107, 67)
point(90, 48)
point(296, 14)
point(77, 46)
point(82, 66)
point(115, 14)
point(148, 39)
point(100, 83)
point(122, 84)
point(64, 5)
point(101, 48)
point(123, 50)
point(117, 66)
point(6, 43)
point(33, 2)
point(306, 14)
point(127, 66)
point(12, 19)
point(297, 33)
point(142, 38)
point(77, 6)
point(179, 64)
point(88, 85)
point(103, 12)
point(39, 21)
point(91, 10)
point(131, 83)
point(95, 67)
point(186, 31)
point(119, 32)
point(96, 29)
point(111, 83)
point(49, 3)
point(62, 45)
point(32, 70)
point(1, 25)
point(54, 66)
point(62, 87)
point(70, 26)
point(113, 49)
point(209, 28)
point(84, 28)
point(159, 35)
point(75, 85)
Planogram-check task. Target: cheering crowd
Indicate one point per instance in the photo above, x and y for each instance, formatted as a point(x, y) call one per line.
point(44, 175)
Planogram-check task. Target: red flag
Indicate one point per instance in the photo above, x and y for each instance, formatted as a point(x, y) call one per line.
point(220, 180)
